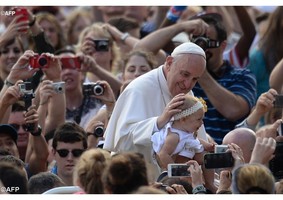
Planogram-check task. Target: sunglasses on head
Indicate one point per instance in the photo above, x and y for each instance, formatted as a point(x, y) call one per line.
point(65, 152)
point(17, 126)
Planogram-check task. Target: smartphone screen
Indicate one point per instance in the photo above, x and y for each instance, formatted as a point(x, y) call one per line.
point(178, 170)
point(218, 160)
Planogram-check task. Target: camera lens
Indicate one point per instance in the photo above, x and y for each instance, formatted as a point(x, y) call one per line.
point(98, 132)
point(98, 90)
point(202, 42)
point(59, 89)
point(102, 45)
point(42, 61)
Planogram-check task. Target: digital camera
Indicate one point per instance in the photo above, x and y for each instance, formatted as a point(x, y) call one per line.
point(206, 43)
point(220, 148)
point(101, 45)
point(59, 87)
point(98, 131)
point(93, 89)
point(26, 93)
point(39, 61)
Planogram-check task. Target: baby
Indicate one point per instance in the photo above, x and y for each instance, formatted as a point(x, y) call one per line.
point(177, 142)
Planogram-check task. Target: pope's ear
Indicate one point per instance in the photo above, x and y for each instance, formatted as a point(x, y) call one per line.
point(169, 61)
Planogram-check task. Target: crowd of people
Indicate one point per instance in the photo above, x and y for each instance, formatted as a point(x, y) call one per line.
point(106, 99)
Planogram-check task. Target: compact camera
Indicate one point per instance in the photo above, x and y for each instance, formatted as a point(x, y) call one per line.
point(101, 45)
point(70, 63)
point(26, 93)
point(59, 87)
point(220, 148)
point(39, 61)
point(206, 43)
point(98, 131)
point(93, 89)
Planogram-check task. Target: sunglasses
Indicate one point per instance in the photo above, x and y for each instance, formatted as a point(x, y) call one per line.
point(65, 152)
point(17, 126)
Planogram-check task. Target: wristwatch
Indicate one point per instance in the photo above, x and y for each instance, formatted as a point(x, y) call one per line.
point(200, 189)
point(8, 83)
point(38, 132)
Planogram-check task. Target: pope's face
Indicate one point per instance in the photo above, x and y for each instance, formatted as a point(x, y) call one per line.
point(183, 71)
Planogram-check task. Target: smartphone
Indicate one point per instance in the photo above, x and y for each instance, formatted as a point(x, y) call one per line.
point(218, 160)
point(70, 63)
point(220, 148)
point(278, 103)
point(178, 170)
point(276, 164)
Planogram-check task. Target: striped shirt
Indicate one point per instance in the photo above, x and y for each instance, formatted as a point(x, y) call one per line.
point(238, 81)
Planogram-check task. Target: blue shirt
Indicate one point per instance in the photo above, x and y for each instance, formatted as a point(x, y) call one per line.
point(238, 81)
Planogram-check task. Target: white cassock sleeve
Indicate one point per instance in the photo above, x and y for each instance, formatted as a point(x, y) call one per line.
point(131, 124)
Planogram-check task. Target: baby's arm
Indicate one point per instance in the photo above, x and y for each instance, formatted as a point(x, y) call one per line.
point(170, 144)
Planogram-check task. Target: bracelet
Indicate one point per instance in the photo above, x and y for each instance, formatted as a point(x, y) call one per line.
point(124, 37)
point(200, 189)
point(8, 83)
point(32, 22)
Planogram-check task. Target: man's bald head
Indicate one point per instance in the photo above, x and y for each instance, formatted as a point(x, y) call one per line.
point(245, 138)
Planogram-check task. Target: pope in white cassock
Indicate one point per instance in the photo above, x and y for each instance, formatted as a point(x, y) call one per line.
point(151, 100)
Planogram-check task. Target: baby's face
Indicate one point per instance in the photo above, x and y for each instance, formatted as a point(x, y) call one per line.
point(194, 121)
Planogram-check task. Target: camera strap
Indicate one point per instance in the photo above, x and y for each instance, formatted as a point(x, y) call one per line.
point(78, 117)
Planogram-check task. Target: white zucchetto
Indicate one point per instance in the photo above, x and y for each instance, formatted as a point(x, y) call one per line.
point(188, 48)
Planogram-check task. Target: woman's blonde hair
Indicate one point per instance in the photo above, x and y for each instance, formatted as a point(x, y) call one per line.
point(88, 170)
point(253, 179)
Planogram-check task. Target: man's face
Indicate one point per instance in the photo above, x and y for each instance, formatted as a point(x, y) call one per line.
point(8, 144)
point(17, 118)
point(183, 72)
point(66, 164)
